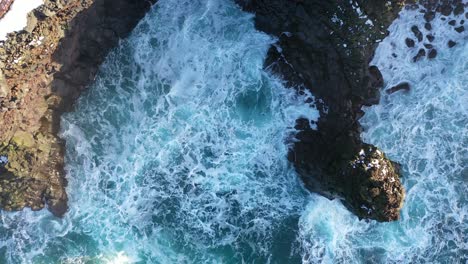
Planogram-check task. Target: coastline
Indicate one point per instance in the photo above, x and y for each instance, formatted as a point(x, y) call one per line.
point(60, 61)
point(326, 47)
point(59, 53)
point(44, 69)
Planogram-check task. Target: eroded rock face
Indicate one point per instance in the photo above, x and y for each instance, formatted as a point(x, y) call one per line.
point(374, 180)
point(42, 72)
point(325, 46)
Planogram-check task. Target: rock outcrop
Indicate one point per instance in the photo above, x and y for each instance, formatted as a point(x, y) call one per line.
point(326, 47)
point(43, 69)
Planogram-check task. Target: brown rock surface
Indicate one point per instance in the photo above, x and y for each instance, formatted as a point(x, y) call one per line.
point(43, 71)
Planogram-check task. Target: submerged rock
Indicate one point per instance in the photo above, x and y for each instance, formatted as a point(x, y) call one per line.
point(428, 26)
point(451, 43)
point(430, 38)
point(417, 33)
point(402, 86)
point(409, 42)
point(421, 53)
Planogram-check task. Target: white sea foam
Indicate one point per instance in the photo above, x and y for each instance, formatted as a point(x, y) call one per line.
point(178, 153)
point(426, 131)
point(16, 18)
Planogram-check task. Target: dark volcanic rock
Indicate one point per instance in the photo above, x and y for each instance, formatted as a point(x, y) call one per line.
point(376, 76)
point(409, 42)
point(417, 33)
point(428, 26)
point(446, 10)
point(460, 29)
point(430, 38)
point(313, 57)
point(432, 54)
point(421, 53)
point(459, 9)
point(60, 50)
point(429, 16)
point(428, 46)
point(402, 86)
point(451, 43)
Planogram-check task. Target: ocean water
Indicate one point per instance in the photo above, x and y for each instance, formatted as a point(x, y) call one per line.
point(177, 154)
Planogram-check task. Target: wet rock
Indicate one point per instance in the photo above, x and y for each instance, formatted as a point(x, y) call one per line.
point(432, 54)
point(460, 29)
point(421, 53)
point(376, 76)
point(429, 16)
point(428, 26)
point(428, 46)
point(342, 83)
point(451, 43)
point(409, 42)
point(459, 9)
point(446, 9)
point(430, 38)
point(404, 86)
point(380, 193)
point(452, 22)
point(417, 33)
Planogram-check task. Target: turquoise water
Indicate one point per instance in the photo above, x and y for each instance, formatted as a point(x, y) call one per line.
point(177, 154)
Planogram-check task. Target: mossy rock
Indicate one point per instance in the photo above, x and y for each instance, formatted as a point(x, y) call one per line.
point(23, 139)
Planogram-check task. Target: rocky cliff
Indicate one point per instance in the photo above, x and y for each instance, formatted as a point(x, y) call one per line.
point(43, 70)
point(325, 46)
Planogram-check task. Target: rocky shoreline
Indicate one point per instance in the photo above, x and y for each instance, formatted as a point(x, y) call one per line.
point(43, 71)
point(326, 47)
point(323, 46)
